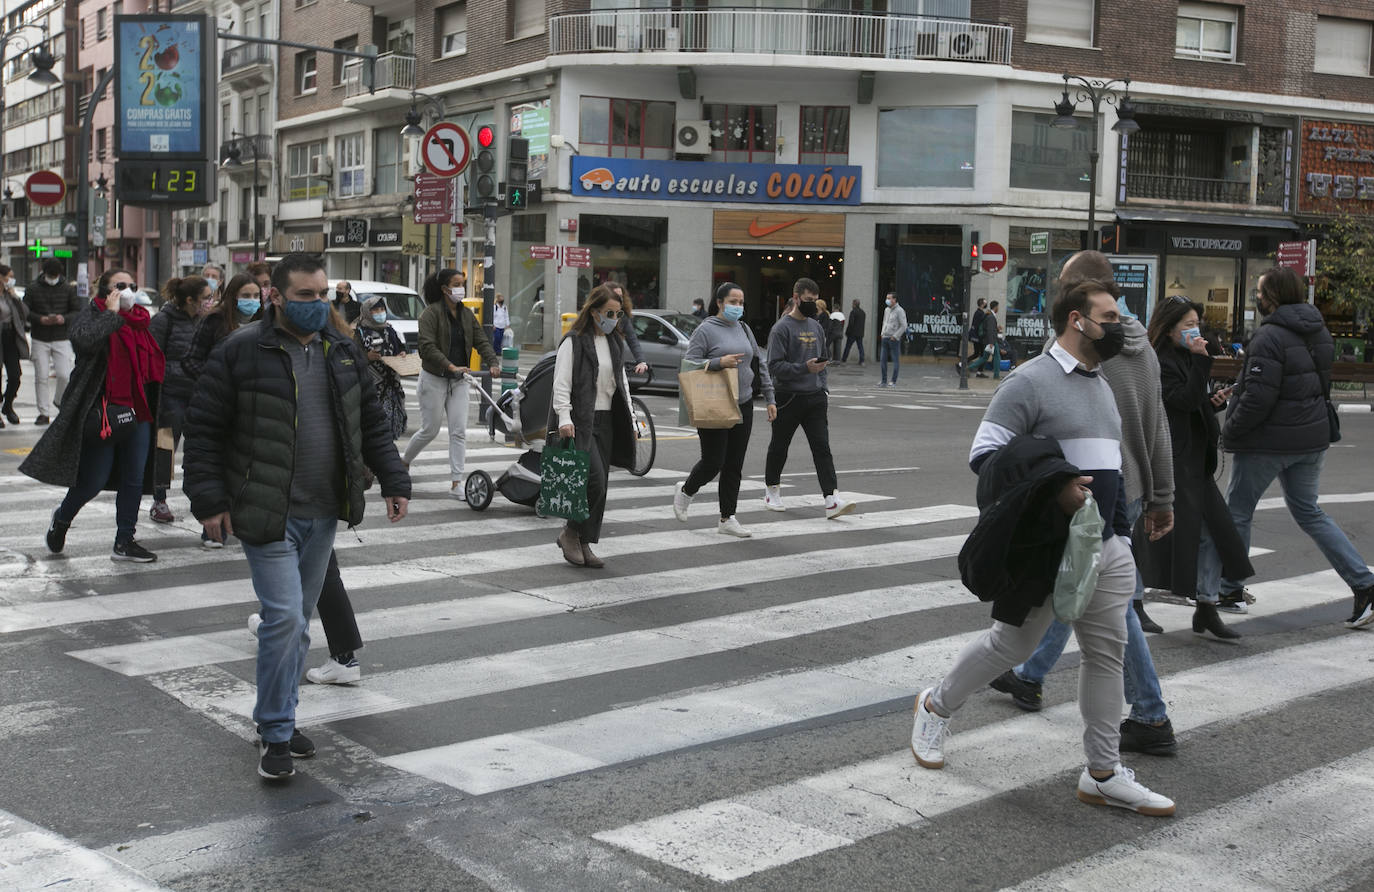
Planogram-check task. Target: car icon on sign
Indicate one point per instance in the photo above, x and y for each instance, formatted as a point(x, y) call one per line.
point(599, 177)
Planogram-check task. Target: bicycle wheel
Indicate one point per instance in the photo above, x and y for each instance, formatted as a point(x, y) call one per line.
point(646, 441)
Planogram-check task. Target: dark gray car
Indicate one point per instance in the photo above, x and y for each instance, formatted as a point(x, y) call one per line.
point(663, 337)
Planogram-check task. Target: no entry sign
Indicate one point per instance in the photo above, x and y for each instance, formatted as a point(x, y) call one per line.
point(994, 257)
point(445, 149)
point(46, 188)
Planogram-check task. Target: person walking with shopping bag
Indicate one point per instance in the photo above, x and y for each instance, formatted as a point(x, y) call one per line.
point(591, 407)
point(724, 343)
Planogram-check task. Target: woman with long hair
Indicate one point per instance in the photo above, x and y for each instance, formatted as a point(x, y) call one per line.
point(379, 339)
point(173, 328)
point(14, 341)
point(242, 303)
point(723, 341)
point(101, 438)
point(591, 406)
point(1204, 544)
point(445, 283)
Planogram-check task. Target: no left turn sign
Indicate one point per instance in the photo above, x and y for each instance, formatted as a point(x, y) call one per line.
point(445, 149)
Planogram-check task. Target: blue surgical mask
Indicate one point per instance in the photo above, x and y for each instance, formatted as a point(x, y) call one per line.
point(212, 282)
point(607, 324)
point(249, 306)
point(379, 318)
point(307, 315)
point(732, 312)
point(1186, 336)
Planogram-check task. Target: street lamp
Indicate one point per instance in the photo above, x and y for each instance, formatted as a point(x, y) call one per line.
point(43, 62)
point(1095, 92)
point(233, 160)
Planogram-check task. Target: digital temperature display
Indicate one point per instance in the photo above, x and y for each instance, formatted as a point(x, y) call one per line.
point(165, 183)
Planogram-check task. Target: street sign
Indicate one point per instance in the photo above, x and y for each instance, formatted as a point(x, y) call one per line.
point(543, 252)
point(445, 149)
point(45, 188)
point(994, 257)
point(1300, 256)
point(578, 257)
point(433, 199)
point(1039, 242)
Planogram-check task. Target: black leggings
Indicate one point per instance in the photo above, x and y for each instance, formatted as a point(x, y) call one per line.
point(722, 452)
point(9, 345)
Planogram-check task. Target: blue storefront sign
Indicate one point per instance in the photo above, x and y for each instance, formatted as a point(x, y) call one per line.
point(710, 181)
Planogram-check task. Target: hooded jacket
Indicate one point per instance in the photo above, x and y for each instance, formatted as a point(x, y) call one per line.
point(1279, 405)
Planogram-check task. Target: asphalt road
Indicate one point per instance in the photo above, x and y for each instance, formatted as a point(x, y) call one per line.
point(704, 710)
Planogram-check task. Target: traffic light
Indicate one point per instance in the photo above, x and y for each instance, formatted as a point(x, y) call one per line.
point(974, 243)
point(517, 173)
point(484, 166)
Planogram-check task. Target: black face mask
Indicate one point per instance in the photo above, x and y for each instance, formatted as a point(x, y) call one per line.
point(807, 308)
point(1112, 340)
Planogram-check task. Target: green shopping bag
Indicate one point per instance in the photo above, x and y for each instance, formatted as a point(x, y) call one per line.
point(563, 473)
point(1076, 580)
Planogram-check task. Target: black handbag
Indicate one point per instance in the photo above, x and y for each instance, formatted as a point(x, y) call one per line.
point(1333, 418)
point(110, 423)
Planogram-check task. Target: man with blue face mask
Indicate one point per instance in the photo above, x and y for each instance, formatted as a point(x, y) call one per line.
point(284, 421)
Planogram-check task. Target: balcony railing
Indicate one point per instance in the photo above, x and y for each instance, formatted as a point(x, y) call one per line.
point(779, 32)
point(246, 55)
point(1166, 187)
point(391, 71)
point(250, 148)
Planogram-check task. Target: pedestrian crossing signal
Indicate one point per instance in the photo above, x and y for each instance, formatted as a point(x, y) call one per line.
point(973, 249)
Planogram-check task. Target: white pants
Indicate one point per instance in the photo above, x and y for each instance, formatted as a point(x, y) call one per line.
point(49, 356)
point(442, 401)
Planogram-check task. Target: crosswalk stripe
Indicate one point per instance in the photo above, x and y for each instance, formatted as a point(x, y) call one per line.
point(908, 406)
point(440, 568)
point(34, 858)
point(858, 801)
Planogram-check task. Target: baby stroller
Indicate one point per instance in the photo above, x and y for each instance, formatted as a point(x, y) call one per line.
point(523, 414)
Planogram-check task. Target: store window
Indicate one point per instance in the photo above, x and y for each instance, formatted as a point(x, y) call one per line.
point(1343, 46)
point(1048, 157)
point(349, 167)
point(1210, 281)
point(525, 284)
point(923, 266)
point(628, 250)
point(742, 133)
point(824, 134)
point(927, 147)
point(1061, 22)
point(626, 128)
point(302, 171)
point(1206, 31)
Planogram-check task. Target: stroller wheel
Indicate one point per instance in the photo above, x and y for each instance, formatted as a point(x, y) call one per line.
point(479, 490)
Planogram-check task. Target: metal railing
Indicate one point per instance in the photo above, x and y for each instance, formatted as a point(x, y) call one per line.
point(1166, 187)
point(246, 55)
point(250, 148)
point(779, 32)
point(391, 71)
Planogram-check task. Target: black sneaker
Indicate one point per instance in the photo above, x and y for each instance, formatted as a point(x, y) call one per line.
point(1153, 740)
point(1363, 614)
point(301, 747)
point(274, 761)
point(57, 534)
point(41, 420)
point(1025, 694)
point(132, 551)
point(1235, 601)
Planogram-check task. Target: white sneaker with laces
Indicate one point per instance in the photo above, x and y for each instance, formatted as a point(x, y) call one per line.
point(458, 491)
point(732, 527)
point(681, 502)
point(334, 672)
point(772, 499)
point(1123, 791)
point(837, 507)
point(928, 735)
point(253, 622)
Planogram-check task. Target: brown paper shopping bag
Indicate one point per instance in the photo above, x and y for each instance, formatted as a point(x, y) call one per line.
point(712, 398)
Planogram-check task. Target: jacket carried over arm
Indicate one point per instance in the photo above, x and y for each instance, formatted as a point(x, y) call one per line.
point(433, 338)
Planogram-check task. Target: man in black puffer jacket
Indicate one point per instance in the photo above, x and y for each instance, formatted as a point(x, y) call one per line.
point(1278, 427)
point(282, 426)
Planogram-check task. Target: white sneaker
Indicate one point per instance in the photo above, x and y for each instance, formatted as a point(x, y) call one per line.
point(732, 527)
point(211, 544)
point(1123, 791)
point(458, 491)
point(928, 735)
point(772, 499)
point(253, 622)
point(837, 507)
point(334, 672)
point(681, 502)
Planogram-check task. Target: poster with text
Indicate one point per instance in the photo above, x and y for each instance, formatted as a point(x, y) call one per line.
point(160, 105)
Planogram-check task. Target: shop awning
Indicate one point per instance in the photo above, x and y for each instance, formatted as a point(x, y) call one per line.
point(1233, 221)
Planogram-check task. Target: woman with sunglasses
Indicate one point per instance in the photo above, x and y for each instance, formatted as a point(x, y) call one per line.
point(102, 435)
point(1204, 544)
point(591, 406)
point(174, 328)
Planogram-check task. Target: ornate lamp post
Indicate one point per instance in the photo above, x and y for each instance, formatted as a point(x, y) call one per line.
point(1095, 92)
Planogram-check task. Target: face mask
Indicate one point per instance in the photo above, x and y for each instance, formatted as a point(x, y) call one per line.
point(1186, 336)
point(607, 324)
point(379, 318)
point(807, 308)
point(213, 283)
point(52, 280)
point(307, 315)
point(732, 312)
point(249, 306)
point(1112, 340)
point(458, 293)
point(126, 299)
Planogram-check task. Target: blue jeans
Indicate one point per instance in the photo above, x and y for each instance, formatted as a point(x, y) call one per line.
point(98, 460)
point(287, 577)
point(1139, 678)
point(1300, 477)
point(890, 348)
point(1208, 568)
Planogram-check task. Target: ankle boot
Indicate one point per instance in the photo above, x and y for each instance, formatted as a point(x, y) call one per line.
point(572, 547)
point(1206, 619)
point(8, 411)
point(1146, 624)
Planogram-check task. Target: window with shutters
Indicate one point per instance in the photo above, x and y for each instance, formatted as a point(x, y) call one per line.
point(1207, 31)
point(349, 165)
point(305, 73)
point(524, 18)
point(451, 23)
point(1061, 22)
point(1343, 46)
point(301, 159)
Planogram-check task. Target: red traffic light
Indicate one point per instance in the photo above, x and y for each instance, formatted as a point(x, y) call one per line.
point(485, 136)
point(972, 252)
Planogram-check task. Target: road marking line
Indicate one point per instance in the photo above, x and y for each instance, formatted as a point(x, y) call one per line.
point(34, 858)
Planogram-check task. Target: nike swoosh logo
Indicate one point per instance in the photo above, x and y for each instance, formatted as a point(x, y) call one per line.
point(757, 231)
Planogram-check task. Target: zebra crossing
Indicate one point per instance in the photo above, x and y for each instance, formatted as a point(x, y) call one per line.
point(695, 643)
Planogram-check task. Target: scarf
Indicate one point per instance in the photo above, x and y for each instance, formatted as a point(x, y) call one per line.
point(135, 361)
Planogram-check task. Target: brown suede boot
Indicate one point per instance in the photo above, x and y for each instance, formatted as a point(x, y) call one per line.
point(590, 559)
point(572, 548)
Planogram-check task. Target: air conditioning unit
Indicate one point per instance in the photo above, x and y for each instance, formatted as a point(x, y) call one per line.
point(609, 33)
point(321, 166)
point(692, 138)
point(963, 45)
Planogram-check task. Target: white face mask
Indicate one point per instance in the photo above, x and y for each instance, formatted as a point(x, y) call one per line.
point(457, 293)
point(52, 280)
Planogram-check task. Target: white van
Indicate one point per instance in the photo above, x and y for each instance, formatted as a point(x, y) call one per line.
point(403, 306)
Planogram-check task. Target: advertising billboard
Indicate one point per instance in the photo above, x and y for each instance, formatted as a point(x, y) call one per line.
point(164, 79)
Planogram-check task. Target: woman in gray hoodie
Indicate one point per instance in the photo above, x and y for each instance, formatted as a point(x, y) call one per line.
point(723, 341)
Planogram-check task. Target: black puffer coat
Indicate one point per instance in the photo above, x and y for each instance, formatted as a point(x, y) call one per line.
point(173, 329)
point(1279, 405)
point(240, 432)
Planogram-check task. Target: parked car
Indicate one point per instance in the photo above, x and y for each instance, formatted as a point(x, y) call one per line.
point(663, 335)
point(403, 306)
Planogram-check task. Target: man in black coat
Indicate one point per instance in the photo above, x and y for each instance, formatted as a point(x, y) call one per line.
point(854, 332)
point(1278, 426)
point(52, 304)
